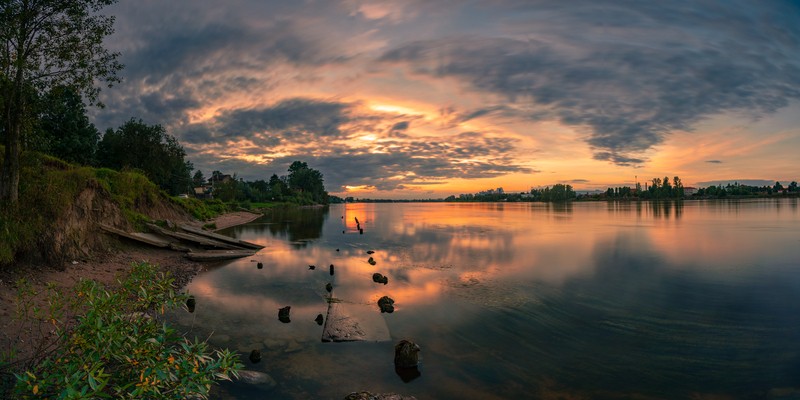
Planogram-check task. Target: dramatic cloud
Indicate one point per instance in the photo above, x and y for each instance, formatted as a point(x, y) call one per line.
point(637, 72)
point(326, 133)
point(421, 93)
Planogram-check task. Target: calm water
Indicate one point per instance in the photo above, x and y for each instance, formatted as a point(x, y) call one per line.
point(588, 300)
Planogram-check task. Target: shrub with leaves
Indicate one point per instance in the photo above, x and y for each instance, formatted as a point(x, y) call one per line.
point(115, 345)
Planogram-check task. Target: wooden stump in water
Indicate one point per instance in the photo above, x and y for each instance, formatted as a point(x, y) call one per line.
point(255, 356)
point(283, 314)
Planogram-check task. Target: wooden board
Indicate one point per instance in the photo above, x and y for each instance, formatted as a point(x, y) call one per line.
point(138, 236)
point(221, 238)
point(349, 322)
point(196, 239)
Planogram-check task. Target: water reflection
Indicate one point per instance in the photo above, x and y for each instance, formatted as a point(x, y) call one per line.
point(295, 224)
point(640, 299)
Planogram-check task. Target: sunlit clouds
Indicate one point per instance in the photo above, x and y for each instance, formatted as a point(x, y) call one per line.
point(426, 99)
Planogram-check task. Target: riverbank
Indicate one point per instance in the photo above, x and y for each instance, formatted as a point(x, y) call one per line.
point(104, 268)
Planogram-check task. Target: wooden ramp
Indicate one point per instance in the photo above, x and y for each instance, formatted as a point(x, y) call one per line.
point(146, 238)
point(191, 238)
point(221, 238)
point(349, 322)
point(165, 238)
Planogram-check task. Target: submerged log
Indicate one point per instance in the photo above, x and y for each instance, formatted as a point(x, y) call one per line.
point(216, 255)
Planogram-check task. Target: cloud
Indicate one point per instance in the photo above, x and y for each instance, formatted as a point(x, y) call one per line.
point(714, 161)
point(325, 133)
point(632, 75)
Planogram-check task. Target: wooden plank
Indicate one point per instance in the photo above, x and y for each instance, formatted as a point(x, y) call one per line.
point(221, 238)
point(217, 255)
point(140, 237)
point(349, 322)
point(196, 239)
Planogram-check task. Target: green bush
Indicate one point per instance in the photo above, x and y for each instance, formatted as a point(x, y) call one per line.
point(203, 210)
point(119, 348)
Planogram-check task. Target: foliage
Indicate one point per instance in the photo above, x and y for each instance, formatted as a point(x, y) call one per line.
point(303, 186)
point(119, 348)
point(48, 44)
point(202, 209)
point(308, 183)
point(136, 145)
point(63, 129)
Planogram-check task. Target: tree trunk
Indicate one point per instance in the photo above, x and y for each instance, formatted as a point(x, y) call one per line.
point(9, 180)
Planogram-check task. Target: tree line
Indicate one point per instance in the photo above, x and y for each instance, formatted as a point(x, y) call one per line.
point(303, 185)
point(58, 125)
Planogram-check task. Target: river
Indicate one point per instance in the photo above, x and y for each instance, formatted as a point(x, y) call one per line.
point(519, 300)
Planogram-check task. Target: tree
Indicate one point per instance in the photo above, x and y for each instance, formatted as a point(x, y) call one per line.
point(308, 182)
point(63, 128)
point(46, 44)
point(198, 179)
point(150, 149)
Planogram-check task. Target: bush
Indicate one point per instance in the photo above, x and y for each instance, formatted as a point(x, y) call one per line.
point(118, 348)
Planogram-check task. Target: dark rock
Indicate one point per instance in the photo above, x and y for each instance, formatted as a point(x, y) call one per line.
point(343, 232)
point(319, 319)
point(255, 356)
point(260, 265)
point(378, 278)
point(312, 267)
point(329, 287)
point(283, 314)
point(331, 268)
point(337, 249)
point(256, 378)
point(190, 303)
point(370, 252)
point(386, 304)
point(406, 354)
point(407, 374)
point(371, 261)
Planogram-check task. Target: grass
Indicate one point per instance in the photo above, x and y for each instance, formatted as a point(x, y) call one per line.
point(47, 192)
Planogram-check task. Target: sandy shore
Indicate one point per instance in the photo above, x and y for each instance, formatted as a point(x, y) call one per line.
point(106, 269)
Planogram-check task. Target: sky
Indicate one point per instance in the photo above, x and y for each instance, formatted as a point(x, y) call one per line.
point(424, 99)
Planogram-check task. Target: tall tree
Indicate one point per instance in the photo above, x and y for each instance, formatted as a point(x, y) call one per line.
point(308, 182)
point(45, 44)
point(63, 128)
point(150, 149)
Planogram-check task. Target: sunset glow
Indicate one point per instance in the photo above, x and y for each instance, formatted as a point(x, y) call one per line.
point(428, 99)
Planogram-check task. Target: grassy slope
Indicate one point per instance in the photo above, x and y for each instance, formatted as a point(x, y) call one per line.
point(48, 190)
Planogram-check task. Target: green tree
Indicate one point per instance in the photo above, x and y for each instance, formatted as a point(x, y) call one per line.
point(308, 182)
point(46, 44)
point(677, 187)
point(63, 129)
point(198, 179)
point(150, 149)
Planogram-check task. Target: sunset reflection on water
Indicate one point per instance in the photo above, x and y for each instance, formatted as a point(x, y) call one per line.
point(510, 299)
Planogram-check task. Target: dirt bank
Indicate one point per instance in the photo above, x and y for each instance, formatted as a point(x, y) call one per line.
point(104, 268)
